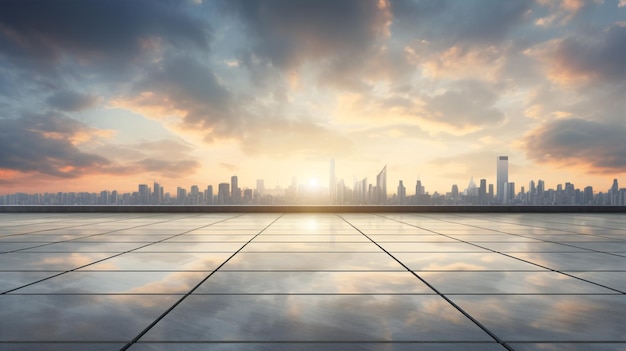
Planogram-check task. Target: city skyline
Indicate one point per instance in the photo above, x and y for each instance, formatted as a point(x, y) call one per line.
point(112, 94)
point(363, 192)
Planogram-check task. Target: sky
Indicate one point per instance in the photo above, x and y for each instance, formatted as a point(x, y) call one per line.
point(104, 95)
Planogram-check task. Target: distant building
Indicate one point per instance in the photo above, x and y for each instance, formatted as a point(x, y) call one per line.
point(502, 177)
point(381, 187)
point(223, 194)
point(401, 193)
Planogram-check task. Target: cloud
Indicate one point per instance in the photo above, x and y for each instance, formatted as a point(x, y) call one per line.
point(468, 105)
point(447, 23)
point(599, 146)
point(71, 101)
point(47, 144)
point(43, 30)
point(165, 157)
point(599, 58)
point(287, 33)
point(188, 90)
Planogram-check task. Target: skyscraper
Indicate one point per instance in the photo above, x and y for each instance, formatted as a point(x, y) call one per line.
point(235, 192)
point(223, 196)
point(502, 178)
point(381, 186)
point(482, 192)
point(401, 193)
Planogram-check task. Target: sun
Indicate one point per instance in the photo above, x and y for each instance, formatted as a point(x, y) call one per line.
point(314, 184)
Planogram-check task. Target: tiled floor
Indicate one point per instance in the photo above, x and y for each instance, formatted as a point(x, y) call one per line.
point(312, 282)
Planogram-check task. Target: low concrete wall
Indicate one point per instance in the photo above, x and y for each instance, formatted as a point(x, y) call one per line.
point(313, 209)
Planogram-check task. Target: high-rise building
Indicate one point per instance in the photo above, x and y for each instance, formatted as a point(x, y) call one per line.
point(194, 197)
point(401, 193)
point(181, 196)
point(588, 196)
point(144, 194)
point(381, 186)
point(208, 195)
point(260, 187)
point(157, 193)
point(235, 191)
point(502, 178)
point(332, 183)
point(223, 195)
point(482, 192)
point(614, 193)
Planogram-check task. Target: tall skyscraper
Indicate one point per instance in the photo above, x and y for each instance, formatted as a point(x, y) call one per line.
point(260, 187)
point(332, 183)
point(235, 192)
point(502, 178)
point(613, 193)
point(401, 193)
point(223, 196)
point(381, 186)
point(482, 192)
point(208, 195)
point(156, 193)
point(144, 194)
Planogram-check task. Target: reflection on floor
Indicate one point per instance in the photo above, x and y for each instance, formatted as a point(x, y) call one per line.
point(312, 282)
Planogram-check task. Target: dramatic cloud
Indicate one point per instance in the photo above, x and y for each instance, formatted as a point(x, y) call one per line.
point(188, 90)
point(46, 144)
point(576, 142)
point(445, 23)
point(71, 101)
point(287, 33)
point(166, 87)
point(470, 104)
point(599, 57)
point(93, 30)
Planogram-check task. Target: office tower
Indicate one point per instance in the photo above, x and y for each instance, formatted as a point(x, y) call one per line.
point(223, 195)
point(401, 193)
point(509, 193)
point(113, 199)
point(260, 187)
point(104, 197)
point(502, 177)
point(157, 193)
point(381, 186)
point(532, 193)
point(471, 188)
point(332, 183)
point(482, 192)
point(181, 196)
point(247, 196)
point(194, 195)
point(235, 191)
point(144, 194)
point(208, 195)
point(454, 191)
point(588, 196)
point(341, 192)
point(613, 193)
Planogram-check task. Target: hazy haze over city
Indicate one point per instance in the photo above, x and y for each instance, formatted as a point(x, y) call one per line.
point(110, 94)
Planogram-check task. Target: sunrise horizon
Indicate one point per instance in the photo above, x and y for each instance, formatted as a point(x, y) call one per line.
point(106, 96)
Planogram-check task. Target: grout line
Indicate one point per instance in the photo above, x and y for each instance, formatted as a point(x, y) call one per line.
point(119, 254)
point(143, 332)
point(480, 325)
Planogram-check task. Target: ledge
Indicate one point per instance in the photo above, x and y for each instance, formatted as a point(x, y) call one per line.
point(311, 209)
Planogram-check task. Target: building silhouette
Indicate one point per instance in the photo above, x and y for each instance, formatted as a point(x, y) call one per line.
point(502, 178)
